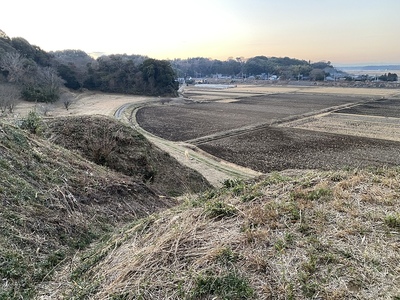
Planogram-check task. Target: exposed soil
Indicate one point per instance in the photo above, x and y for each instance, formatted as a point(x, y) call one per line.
point(389, 108)
point(215, 113)
point(236, 130)
point(89, 103)
point(194, 120)
point(275, 149)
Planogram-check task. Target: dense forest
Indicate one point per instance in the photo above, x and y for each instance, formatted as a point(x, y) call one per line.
point(38, 75)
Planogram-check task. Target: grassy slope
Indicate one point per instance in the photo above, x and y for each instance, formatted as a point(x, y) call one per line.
point(303, 235)
point(325, 235)
point(114, 144)
point(53, 203)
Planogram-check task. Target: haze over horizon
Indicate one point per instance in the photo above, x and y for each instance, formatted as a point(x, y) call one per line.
point(345, 32)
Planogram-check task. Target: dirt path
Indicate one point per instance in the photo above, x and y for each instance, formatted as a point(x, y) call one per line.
point(215, 170)
point(124, 107)
point(121, 107)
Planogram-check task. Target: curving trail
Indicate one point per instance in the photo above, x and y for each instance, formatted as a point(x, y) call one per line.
point(122, 107)
point(215, 170)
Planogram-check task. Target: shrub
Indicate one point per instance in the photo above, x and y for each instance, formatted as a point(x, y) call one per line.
point(33, 123)
point(39, 94)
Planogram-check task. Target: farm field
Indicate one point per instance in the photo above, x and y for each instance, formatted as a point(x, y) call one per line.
point(196, 119)
point(388, 108)
point(276, 149)
point(379, 119)
point(286, 128)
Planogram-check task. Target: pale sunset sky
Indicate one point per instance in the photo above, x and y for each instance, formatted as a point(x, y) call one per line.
point(340, 31)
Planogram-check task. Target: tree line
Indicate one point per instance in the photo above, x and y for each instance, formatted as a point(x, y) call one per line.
point(38, 75)
point(283, 67)
point(388, 77)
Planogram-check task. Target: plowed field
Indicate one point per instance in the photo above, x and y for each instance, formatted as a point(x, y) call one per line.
point(193, 120)
point(276, 149)
point(285, 130)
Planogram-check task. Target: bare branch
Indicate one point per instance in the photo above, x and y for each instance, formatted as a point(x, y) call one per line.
point(13, 63)
point(67, 99)
point(9, 95)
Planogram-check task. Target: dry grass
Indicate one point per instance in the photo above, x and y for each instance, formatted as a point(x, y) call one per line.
point(246, 90)
point(111, 143)
point(304, 235)
point(54, 203)
point(356, 125)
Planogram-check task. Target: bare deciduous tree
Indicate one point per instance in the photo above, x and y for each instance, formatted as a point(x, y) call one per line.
point(67, 99)
point(45, 109)
point(48, 77)
point(9, 95)
point(13, 63)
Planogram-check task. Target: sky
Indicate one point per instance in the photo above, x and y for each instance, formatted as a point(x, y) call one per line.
point(344, 32)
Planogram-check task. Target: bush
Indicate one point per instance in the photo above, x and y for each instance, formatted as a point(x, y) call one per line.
point(33, 123)
point(39, 94)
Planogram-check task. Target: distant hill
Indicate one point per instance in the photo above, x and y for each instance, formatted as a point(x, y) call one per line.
point(372, 68)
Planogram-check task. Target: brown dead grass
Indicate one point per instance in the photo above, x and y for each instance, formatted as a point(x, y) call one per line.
point(299, 235)
point(116, 145)
point(366, 126)
point(54, 203)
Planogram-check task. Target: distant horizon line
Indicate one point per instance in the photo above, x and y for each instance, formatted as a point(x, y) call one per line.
point(388, 66)
point(96, 54)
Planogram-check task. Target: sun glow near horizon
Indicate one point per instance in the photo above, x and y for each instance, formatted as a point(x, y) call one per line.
point(343, 31)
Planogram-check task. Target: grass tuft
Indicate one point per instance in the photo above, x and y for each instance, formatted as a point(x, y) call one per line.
point(227, 287)
point(392, 220)
point(219, 210)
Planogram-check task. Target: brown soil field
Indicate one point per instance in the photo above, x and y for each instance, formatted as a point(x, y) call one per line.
point(384, 108)
point(276, 149)
point(245, 113)
point(276, 128)
point(194, 120)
